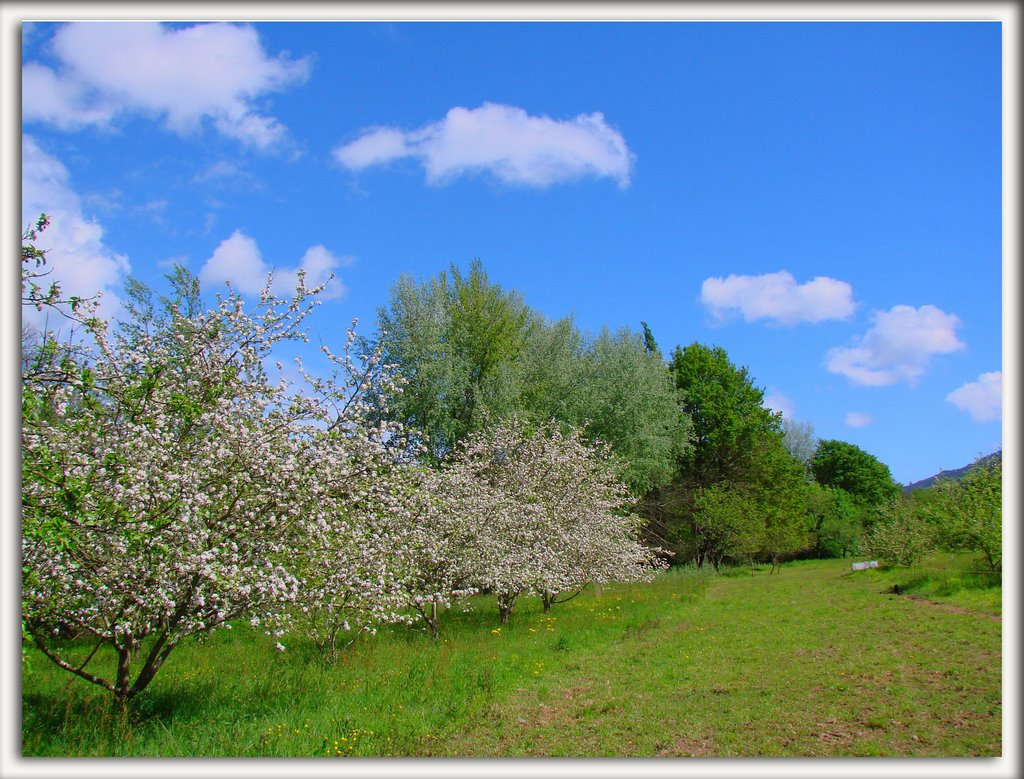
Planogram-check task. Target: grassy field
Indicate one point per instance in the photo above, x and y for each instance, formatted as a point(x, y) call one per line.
point(814, 660)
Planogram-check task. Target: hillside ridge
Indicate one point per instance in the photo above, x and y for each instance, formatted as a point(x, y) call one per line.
point(956, 473)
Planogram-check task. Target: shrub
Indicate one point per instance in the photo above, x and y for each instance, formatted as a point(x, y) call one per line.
point(968, 512)
point(899, 535)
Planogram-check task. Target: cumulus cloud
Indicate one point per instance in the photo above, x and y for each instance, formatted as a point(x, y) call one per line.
point(982, 399)
point(376, 146)
point(183, 76)
point(897, 347)
point(78, 257)
point(238, 260)
point(778, 298)
point(858, 419)
point(502, 140)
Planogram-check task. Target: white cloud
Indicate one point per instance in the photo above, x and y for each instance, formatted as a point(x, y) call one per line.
point(778, 402)
point(238, 259)
point(78, 257)
point(897, 347)
point(858, 419)
point(184, 76)
point(222, 169)
point(503, 140)
point(375, 147)
point(982, 399)
point(61, 101)
point(778, 298)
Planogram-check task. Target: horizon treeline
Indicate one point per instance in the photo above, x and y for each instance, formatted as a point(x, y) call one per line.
point(716, 475)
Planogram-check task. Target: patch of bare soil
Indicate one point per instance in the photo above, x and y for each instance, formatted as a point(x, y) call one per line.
point(543, 715)
point(840, 733)
point(687, 746)
point(954, 608)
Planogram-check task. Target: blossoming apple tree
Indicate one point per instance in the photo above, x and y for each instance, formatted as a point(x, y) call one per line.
point(170, 486)
point(435, 552)
point(550, 514)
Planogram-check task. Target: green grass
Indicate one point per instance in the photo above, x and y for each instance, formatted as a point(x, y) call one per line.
point(813, 660)
point(955, 579)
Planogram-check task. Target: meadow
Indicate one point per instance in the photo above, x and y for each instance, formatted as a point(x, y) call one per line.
point(813, 660)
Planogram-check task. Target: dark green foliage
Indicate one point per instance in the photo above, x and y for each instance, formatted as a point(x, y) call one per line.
point(728, 415)
point(781, 484)
point(834, 520)
point(738, 472)
point(650, 345)
point(728, 522)
point(844, 465)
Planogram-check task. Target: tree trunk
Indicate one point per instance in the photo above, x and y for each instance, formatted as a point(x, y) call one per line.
point(122, 685)
point(547, 600)
point(505, 604)
point(432, 622)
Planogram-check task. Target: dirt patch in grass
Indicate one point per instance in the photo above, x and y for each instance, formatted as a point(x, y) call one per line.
point(687, 746)
point(541, 717)
point(841, 734)
point(569, 704)
point(952, 607)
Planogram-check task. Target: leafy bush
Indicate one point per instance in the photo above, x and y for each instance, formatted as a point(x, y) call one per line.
point(968, 512)
point(899, 535)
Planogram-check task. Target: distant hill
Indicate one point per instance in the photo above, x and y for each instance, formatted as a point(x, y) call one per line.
point(954, 474)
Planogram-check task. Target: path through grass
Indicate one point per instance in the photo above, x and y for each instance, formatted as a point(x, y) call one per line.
point(814, 660)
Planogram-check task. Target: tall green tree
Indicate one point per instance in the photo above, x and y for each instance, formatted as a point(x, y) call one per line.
point(627, 400)
point(781, 486)
point(727, 523)
point(761, 517)
point(456, 339)
point(898, 534)
point(728, 415)
point(650, 345)
point(553, 373)
point(613, 389)
point(847, 466)
point(737, 447)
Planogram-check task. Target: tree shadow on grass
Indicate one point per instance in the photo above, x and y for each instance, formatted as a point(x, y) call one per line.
point(76, 714)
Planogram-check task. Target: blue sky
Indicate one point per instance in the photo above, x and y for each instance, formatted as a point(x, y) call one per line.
point(823, 200)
